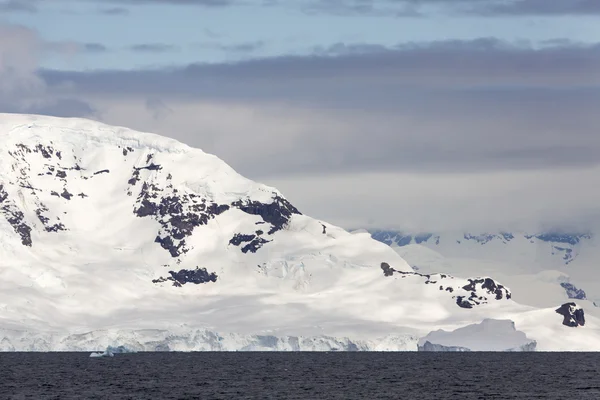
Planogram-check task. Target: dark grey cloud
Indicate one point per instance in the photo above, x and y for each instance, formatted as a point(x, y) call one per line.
point(68, 107)
point(243, 47)
point(450, 64)
point(202, 3)
point(386, 8)
point(538, 7)
point(120, 8)
point(437, 107)
point(153, 48)
point(115, 11)
point(9, 6)
point(95, 48)
point(419, 8)
point(247, 47)
point(62, 107)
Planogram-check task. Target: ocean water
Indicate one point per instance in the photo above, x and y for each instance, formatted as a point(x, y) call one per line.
point(301, 376)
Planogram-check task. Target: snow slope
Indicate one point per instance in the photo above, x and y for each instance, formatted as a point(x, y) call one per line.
point(114, 237)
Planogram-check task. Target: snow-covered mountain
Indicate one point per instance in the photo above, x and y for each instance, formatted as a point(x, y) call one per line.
point(113, 237)
point(541, 268)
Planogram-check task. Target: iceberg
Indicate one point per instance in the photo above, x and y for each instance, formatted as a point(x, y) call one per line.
point(489, 335)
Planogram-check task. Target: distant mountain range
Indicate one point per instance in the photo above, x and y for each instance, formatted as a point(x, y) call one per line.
point(572, 256)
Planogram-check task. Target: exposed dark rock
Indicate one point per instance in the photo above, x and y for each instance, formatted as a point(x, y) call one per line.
point(239, 239)
point(573, 292)
point(566, 238)
point(151, 167)
point(134, 178)
point(174, 249)
point(387, 270)
point(481, 239)
point(53, 193)
point(65, 194)
point(461, 302)
point(61, 174)
point(324, 229)
point(216, 209)
point(82, 195)
point(196, 276)
point(573, 316)
point(104, 171)
point(474, 299)
point(46, 151)
point(48, 227)
point(178, 215)
point(490, 285)
point(276, 213)
point(14, 217)
point(254, 245)
point(254, 242)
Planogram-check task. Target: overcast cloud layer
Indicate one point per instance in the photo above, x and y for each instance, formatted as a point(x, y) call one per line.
point(480, 134)
point(402, 8)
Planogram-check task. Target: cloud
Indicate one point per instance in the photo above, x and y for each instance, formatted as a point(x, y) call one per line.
point(153, 48)
point(421, 8)
point(247, 47)
point(9, 6)
point(352, 77)
point(115, 11)
point(478, 201)
point(441, 107)
point(421, 135)
point(537, 7)
point(21, 87)
point(383, 8)
point(201, 3)
point(19, 49)
point(94, 48)
point(33, 6)
point(244, 47)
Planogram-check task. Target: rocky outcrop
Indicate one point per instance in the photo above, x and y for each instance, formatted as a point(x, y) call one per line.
point(573, 315)
point(277, 213)
point(177, 213)
point(573, 292)
point(489, 335)
point(15, 217)
point(474, 293)
point(196, 276)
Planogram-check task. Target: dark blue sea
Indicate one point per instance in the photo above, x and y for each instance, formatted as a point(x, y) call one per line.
point(301, 376)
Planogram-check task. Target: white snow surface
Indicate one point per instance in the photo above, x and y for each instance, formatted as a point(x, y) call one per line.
point(311, 286)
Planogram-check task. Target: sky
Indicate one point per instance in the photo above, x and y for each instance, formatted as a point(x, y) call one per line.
point(419, 115)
